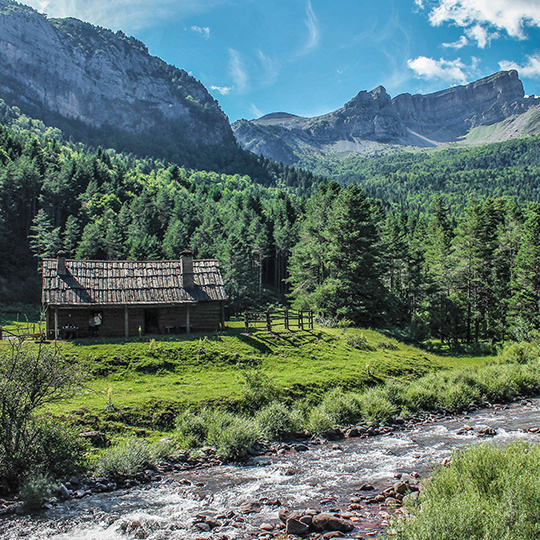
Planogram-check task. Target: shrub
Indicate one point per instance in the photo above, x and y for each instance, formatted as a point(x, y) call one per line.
point(343, 408)
point(258, 391)
point(320, 421)
point(231, 434)
point(192, 428)
point(376, 407)
point(487, 493)
point(126, 459)
point(359, 342)
point(31, 378)
point(520, 353)
point(388, 344)
point(35, 489)
point(277, 422)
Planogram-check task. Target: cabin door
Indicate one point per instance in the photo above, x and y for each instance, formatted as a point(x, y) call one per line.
point(151, 321)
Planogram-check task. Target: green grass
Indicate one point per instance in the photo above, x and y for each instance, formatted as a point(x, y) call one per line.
point(487, 493)
point(135, 382)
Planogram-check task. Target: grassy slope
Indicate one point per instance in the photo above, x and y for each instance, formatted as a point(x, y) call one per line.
point(146, 378)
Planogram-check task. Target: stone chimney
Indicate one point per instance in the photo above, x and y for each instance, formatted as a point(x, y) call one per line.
point(186, 262)
point(61, 263)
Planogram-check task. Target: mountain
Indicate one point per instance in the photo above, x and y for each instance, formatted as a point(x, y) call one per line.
point(372, 122)
point(105, 88)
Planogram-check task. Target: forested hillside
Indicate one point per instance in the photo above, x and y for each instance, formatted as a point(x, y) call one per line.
point(414, 179)
point(424, 270)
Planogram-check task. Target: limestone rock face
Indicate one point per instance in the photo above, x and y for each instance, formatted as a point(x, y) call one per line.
point(71, 73)
point(372, 121)
point(447, 114)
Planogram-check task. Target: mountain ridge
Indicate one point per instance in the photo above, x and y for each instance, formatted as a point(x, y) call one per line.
point(372, 122)
point(103, 86)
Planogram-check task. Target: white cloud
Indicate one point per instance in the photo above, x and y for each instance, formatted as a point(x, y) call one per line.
point(256, 111)
point(460, 43)
point(223, 90)
point(480, 35)
point(511, 16)
point(271, 68)
point(452, 71)
point(530, 69)
point(314, 33)
point(238, 71)
point(128, 15)
point(203, 30)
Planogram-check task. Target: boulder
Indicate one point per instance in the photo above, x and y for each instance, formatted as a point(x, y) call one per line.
point(330, 522)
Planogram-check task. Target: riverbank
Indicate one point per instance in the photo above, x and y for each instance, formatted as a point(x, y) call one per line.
point(327, 479)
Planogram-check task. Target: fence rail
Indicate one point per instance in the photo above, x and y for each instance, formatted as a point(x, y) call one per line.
point(278, 319)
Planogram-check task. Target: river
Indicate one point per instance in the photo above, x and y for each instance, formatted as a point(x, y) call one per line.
point(326, 476)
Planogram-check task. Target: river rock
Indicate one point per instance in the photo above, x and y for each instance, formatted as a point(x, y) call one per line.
point(96, 438)
point(330, 522)
point(266, 527)
point(250, 507)
point(486, 432)
point(295, 526)
point(401, 487)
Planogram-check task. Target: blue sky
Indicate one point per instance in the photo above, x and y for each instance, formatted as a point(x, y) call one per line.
point(309, 57)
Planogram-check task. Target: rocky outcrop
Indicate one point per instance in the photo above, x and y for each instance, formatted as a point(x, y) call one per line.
point(446, 115)
point(372, 121)
point(90, 81)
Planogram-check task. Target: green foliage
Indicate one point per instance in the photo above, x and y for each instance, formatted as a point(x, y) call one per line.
point(35, 489)
point(126, 459)
point(487, 493)
point(258, 391)
point(31, 379)
point(231, 434)
point(277, 422)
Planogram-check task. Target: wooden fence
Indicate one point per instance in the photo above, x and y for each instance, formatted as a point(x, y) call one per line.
point(284, 319)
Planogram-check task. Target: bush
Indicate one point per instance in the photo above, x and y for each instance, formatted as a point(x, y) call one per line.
point(31, 378)
point(231, 434)
point(487, 493)
point(343, 408)
point(359, 342)
point(388, 344)
point(126, 459)
point(35, 489)
point(320, 421)
point(277, 422)
point(192, 428)
point(258, 391)
point(520, 353)
point(376, 407)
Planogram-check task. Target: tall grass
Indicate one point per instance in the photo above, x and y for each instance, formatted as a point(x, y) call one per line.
point(487, 493)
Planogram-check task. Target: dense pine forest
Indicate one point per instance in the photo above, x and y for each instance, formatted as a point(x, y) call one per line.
point(434, 266)
point(456, 174)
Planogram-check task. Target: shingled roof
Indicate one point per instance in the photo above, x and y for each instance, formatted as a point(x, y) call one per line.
point(129, 283)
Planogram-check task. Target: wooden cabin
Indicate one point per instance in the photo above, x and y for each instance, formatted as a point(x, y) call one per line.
point(129, 298)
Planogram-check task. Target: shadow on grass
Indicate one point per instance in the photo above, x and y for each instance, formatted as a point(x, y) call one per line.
point(167, 338)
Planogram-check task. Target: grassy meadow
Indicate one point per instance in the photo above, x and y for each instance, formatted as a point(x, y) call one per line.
point(141, 383)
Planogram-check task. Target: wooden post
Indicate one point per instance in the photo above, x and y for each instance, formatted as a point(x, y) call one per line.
point(56, 324)
point(188, 329)
point(268, 321)
point(287, 319)
point(126, 321)
point(222, 315)
point(246, 322)
point(300, 320)
point(310, 319)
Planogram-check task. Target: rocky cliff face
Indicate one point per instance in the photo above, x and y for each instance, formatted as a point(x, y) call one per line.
point(92, 81)
point(372, 120)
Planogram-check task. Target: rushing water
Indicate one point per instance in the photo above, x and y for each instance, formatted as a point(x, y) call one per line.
point(324, 477)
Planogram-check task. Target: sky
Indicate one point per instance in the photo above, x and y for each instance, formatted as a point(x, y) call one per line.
point(309, 57)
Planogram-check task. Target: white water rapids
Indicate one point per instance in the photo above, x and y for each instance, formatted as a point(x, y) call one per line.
point(325, 477)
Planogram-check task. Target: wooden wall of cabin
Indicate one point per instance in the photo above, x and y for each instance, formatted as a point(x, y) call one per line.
point(173, 319)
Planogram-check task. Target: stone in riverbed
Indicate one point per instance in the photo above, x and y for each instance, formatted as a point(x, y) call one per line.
point(329, 522)
point(295, 526)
